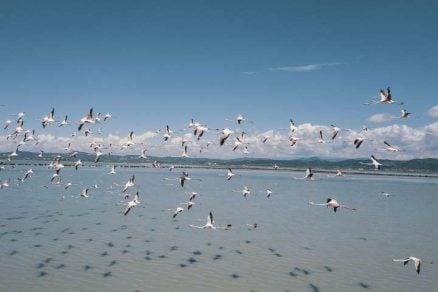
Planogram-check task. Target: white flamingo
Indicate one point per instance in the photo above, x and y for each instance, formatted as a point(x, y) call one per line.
point(335, 131)
point(4, 184)
point(132, 204)
point(77, 164)
point(167, 133)
point(225, 134)
point(209, 224)
point(385, 98)
point(129, 183)
point(64, 122)
point(84, 193)
point(230, 174)
point(184, 153)
point(374, 162)
point(113, 170)
point(390, 148)
point(417, 262)
point(308, 175)
point(177, 211)
point(50, 118)
point(321, 138)
point(86, 120)
point(333, 203)
point(405, 114)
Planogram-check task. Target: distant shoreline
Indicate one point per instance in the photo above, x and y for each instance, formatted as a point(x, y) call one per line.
point(234, 166)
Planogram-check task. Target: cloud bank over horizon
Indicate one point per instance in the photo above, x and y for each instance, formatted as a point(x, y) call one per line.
point(413, 142)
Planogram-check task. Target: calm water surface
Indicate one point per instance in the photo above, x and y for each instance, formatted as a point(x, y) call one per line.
point(52, 240)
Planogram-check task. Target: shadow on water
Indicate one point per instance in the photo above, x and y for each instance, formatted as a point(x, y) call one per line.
point(313, 288)
point(87, 267)
point(305, 272)
point(40, 265)
point(48, 260)
point(15, 218)
point(42, 274)
point(37, 228)
point(292, 274)
point(192, 260)
point(363, 285)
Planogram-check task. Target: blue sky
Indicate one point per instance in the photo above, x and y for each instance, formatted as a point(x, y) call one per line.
point(152, 63)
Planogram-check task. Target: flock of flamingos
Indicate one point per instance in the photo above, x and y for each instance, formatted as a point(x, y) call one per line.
point(18, 136)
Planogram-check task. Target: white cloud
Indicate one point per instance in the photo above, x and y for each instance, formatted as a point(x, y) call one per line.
point(414, 143)
point(143, 138)
point(433, 112)
point(305, 68)
point(432, 128)
point(179, 139)
point(381, 118)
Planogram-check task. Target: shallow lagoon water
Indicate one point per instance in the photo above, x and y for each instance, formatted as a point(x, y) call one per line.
point(52, 240)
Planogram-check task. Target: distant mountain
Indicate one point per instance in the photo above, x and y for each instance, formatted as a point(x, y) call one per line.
point(428, 165)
